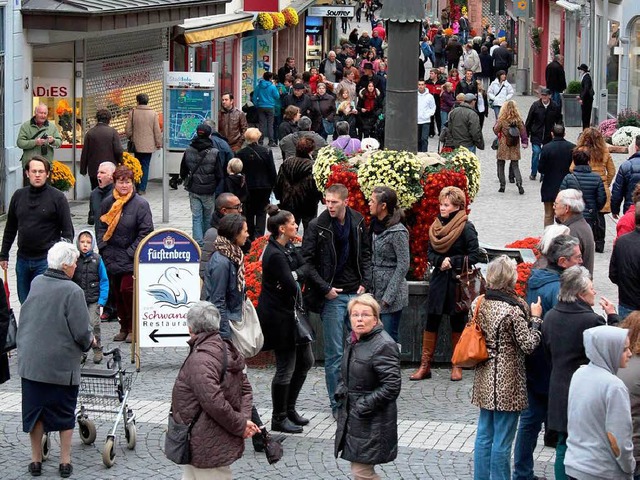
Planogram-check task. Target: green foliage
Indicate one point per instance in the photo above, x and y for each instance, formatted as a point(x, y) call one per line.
point(574, 87)
point(628, 118)
point(555, 46)
point(612, 88)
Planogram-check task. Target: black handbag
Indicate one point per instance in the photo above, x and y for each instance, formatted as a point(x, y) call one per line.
point(304, 330)
point(272, 448)
point(177, 442)
point(131, 147)
point(470, 284)
point(12, 330)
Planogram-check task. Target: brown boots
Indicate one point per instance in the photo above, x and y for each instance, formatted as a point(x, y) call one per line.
point(456, 372)
point(429, 340)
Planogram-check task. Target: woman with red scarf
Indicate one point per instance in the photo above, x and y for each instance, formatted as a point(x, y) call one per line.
point(369, 107)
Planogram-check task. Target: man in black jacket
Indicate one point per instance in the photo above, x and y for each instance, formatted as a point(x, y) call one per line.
point(289, 67)
point(336, 249)
point(101, 144)
point(543, 115)
point(202, 174)
point(39, 215)
point(299, 99)
point(586, 96)
point(624, 269)
point(502, 58)
point(555, 160)
point(369, 76)
point(556, 79)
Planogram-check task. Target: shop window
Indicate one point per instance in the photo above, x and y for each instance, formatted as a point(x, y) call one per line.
point(613, 68)
point(634, 65)
point(203, 57)
point(179, 57)
point(224, 57)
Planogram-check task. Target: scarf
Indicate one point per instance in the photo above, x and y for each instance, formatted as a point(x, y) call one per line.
point(112, 217)
point(442, 236)
point(508, 296)
point(369, 101)
point(341, 233)
point(379, 226)
point(234, 254)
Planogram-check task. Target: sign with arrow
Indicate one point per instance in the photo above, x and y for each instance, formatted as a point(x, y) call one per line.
point(167, 283)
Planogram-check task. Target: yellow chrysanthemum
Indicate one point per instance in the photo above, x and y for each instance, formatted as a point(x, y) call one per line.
point(61, 176)
point(133, 163)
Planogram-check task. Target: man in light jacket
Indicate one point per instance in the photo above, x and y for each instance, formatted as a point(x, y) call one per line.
point(143, 128)
point(471, 60)
point(426, 110)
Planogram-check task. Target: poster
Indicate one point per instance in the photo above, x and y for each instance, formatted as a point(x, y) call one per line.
point(188, 108)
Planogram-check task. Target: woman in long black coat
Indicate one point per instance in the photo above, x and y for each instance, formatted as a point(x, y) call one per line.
point(452, 238)
point(282, 269)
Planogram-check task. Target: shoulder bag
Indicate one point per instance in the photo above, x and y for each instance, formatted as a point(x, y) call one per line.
point(304, 330)
point(189, 180)
point(491, 101)
point(246, 334)
point(471, 349)
point(177, 442)
point(469, 285)
point(131, 147)
point(12, 330)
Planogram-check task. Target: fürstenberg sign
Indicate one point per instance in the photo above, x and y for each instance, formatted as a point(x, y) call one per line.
point(332, 11)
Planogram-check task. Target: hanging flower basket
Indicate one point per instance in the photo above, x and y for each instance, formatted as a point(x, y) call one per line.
point(278, 20)
point(536, 38)
point(61, 176)
point(290, 17)
point(264, 21)
point(133, 163)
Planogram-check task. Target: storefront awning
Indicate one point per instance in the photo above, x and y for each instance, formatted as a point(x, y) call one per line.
point(569, 6)
point(204, 29)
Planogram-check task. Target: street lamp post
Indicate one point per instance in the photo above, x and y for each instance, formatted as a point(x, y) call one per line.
point(401, 103)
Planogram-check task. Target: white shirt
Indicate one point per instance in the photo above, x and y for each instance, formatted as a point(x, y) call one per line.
point(426, 107)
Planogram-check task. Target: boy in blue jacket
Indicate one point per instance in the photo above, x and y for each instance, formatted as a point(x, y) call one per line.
point(91, 276)
point(265, 98)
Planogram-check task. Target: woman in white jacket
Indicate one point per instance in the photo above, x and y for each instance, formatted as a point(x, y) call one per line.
point(499, 92)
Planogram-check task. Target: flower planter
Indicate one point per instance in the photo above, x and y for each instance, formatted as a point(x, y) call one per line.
point(571, 110)
point(617, 149)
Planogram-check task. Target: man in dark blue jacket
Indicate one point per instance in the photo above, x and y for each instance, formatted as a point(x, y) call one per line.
point(554, 164)
point(544, 283)
point(626, 179)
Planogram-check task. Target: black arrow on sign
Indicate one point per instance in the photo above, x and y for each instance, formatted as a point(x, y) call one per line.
point(153, 335)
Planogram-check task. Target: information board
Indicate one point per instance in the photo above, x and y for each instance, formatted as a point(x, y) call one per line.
point(167, 284)
point(188, 108)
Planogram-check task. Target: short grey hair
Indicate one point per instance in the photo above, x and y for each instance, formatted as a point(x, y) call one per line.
point(502, 273)
point(551, 232)
point(40, 105)
point(572, 198)
point(573, 281)
point(304, 124)
point(342, 128)
point(203, 317)
point(110, 165)
point(561, 246)
point(62, 253)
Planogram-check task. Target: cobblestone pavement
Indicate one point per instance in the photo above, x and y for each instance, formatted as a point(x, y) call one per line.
point(436, 419)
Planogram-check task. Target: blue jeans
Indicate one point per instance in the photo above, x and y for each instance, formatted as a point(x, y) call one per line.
point(423, 137)
point(391, 322)
point(202, 207)
point(26, 270)
point(334, 320)
point(492, 452)
point(472, 149)
point(444, 118)
point(624, 311)
point(496, 110)
point(535, 156)
point(145, 161)
point(556, 97)
point(530, 425)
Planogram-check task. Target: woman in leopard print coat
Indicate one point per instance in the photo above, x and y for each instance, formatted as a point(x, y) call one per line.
point(511, 331)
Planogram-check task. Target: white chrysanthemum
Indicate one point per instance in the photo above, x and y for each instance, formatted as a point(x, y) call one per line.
point(327, 157)
point(624, 136)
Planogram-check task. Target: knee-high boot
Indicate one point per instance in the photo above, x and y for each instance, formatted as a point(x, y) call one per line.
point(294, 390)
point(279, 420)
point(456, 372)
point(429, 340)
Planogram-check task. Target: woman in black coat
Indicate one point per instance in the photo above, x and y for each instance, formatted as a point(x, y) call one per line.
point(369, 107)
point(289, 121)
point(589, 183)
point(562, 331)
point(367, 430)
point(326, 106)
point(282, 269)
point(260, 172)
point(452, 238)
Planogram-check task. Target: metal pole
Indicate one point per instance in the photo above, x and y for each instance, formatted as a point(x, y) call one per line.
point(525, 60)
point(604, 52)
point(165, 177)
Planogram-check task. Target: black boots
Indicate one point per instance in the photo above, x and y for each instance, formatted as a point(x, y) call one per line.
point(294, 390)
point(280, 421)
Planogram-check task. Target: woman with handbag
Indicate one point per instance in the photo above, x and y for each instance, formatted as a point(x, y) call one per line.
point(5, 321)
point(511, 330)
point(280, 296)
point(453, 247)
point(212, 395)
point(511, 132)
point(367, 424)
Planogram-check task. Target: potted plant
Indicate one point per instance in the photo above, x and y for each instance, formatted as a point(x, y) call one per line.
point(571, 105)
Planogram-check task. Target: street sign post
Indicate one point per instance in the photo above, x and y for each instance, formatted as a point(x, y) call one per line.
point(167, 283)
point(521, 8)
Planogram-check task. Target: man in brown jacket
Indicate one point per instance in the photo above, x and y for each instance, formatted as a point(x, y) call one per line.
point(143, 128)
point(101, 144)
point(232, 123)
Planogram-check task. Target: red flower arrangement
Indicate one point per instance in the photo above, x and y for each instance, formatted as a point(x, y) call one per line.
point(424, 213)
point(345, 174)
point(524, 268)
point(529, 242)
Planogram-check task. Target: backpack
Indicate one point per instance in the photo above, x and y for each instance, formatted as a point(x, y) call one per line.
point(513, 135)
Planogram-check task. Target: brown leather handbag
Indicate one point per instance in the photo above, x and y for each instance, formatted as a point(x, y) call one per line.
point(471, 349)
point(469, 285)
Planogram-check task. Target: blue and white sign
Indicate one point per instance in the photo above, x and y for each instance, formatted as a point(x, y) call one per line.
point(167, 277)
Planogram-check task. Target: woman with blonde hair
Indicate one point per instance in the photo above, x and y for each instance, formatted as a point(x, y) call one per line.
point(510, 122)
point(602, 164)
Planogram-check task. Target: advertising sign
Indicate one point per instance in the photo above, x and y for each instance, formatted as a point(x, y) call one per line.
point(261, 6)
point(343, 11)
point(521, 8)
point(188, 108)
point(167, 283)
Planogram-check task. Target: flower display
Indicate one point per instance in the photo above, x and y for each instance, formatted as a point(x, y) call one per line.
point(624, 136)
point(346, 175)
point(397, 170)
point(290, 17)
point(535, 34)
point(448, 31)
point(528, 242)
point(465, 160)
point(61, 176)
point(608, 127)
point(134, 164)
point(326, 158)
point(628, 118)
point(524, 272)
point(264, 21)
point(278, 20)
point(65, 120)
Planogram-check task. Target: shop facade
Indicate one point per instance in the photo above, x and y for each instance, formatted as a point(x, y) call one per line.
point(629, 57)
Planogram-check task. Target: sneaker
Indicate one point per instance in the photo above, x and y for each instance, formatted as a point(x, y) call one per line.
point(129, 338)
point(120, 337)
point(97, 355)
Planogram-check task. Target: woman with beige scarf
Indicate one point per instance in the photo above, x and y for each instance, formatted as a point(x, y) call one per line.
point(125, 220)
point(452, 237)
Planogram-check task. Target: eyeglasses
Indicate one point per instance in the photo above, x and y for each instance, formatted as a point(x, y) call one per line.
point(362, 315)
point(235, 207)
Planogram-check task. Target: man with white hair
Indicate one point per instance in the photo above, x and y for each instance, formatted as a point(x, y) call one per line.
point(568, 209)
point(38, 136)
point(330, 66)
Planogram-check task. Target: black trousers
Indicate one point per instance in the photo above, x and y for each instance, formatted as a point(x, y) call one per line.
point(255, 211)
point(458, 322)
point(587, 106)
